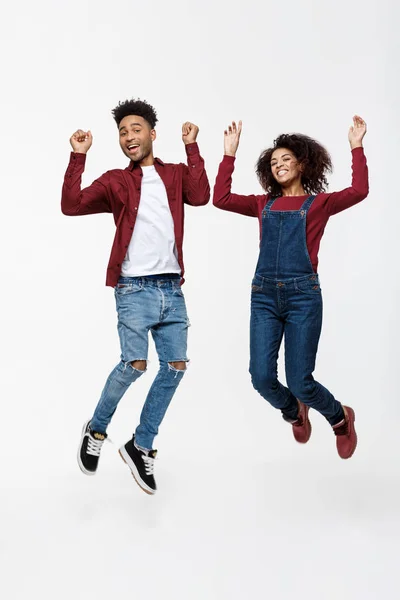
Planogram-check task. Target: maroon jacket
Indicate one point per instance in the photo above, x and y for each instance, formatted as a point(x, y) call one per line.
point(118, 192)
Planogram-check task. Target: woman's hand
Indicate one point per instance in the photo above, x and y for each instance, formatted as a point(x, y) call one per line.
point(357, 132)
point(231, 138)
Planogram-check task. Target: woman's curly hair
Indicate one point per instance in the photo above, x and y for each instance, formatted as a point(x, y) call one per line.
point(313, 157)
point(138, 107)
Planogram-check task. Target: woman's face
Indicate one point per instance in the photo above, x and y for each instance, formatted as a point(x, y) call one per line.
point(285, 167)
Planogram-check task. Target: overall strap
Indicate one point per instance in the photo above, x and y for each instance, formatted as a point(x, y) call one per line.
point(307, 203)
point(269, 204)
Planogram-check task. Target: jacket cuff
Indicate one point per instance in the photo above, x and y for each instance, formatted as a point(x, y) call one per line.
point(229, 160)
point(192, 149)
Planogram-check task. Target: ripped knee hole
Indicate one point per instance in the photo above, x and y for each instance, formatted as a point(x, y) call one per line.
point(139, 365)
point(178, 365)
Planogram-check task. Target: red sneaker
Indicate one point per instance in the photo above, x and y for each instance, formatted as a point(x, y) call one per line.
point(346, 437)
point(302, 427)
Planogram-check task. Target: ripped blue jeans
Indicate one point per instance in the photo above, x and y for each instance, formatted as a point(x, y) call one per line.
point(146, 304)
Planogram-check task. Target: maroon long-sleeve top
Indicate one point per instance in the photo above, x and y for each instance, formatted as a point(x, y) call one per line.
point(324, 206)
point(118, 192)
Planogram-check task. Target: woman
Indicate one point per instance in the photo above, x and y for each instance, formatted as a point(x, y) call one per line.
point(286, 295)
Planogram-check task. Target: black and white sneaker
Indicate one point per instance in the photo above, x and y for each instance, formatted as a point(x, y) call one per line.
point(89, 449)
point(141, 463)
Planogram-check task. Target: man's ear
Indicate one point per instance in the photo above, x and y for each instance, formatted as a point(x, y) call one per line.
point(153, 134)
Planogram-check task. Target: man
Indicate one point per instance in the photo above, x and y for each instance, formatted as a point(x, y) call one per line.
point(146, 271)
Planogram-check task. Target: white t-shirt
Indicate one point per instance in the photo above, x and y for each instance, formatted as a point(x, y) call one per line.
point(152, 249)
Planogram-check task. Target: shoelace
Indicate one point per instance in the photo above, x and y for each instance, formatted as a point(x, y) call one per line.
point(148, 464)
point(94, 446)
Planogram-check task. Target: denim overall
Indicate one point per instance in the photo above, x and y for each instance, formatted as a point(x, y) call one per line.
point(286, 300)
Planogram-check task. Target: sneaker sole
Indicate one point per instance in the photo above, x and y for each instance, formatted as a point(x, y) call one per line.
point(81, 466)
point(135, 473)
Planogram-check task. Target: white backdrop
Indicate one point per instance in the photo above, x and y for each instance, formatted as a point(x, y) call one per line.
point(242, 511)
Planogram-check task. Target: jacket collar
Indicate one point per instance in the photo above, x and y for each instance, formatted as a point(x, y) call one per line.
point(134, 165)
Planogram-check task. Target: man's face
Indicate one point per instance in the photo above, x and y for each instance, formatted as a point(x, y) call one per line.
point(136, 137)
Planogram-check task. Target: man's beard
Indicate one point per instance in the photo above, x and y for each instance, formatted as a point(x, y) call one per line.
point(142, 155)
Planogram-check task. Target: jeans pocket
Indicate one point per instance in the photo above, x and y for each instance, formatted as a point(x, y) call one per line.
point(124, 289)
point(178, 292)
point(310, 286)
point(256, 285)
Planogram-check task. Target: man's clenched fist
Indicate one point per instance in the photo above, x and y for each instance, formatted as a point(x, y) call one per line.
point(81, 141)
point(189, 133)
